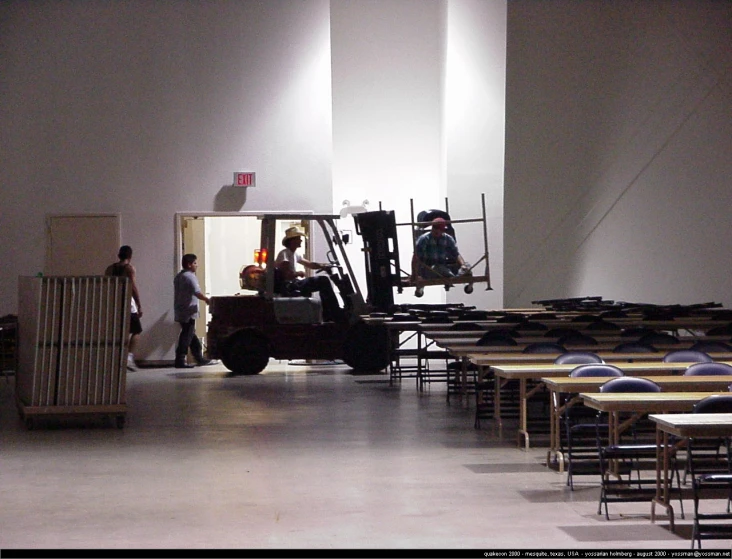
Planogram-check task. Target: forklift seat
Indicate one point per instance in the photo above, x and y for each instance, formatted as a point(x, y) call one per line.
point(297, 310)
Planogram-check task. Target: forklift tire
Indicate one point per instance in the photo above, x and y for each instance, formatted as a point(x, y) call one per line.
point(366, 347)
point(246, 352)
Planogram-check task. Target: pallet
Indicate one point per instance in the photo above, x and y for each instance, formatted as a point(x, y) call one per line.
point(29, 414)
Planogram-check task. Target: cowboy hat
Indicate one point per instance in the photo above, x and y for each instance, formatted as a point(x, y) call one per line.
point(293, 232)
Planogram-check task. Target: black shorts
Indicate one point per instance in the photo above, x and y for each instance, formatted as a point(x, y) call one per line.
point(135, 324)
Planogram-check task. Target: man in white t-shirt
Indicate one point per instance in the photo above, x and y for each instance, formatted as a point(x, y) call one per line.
point(291, 279)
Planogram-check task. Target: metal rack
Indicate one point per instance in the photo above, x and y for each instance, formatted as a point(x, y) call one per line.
point(448, 281)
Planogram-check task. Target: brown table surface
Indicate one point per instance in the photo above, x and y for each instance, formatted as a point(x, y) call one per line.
point(681, 425)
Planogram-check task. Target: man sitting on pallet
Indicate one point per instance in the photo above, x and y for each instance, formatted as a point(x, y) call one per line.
point(436, 254)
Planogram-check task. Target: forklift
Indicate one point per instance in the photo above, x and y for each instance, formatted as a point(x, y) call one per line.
point(247, 330)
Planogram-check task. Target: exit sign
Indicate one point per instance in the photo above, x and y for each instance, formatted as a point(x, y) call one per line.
point(244, 179)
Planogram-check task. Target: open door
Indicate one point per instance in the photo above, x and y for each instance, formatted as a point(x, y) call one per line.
point(194, 241)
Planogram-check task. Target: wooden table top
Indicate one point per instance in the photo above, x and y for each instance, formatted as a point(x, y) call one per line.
point(668, 383)
point(644, 401)
point(603, 342)
point(551, 369)
point(679, 323)
point(488, 358)
point(695, 424)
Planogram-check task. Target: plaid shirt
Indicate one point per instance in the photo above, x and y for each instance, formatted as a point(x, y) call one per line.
point(432, 251)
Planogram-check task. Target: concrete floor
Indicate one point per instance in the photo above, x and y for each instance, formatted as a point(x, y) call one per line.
point(296, 458)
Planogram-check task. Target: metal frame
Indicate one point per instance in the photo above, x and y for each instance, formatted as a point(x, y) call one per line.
point(448, 282)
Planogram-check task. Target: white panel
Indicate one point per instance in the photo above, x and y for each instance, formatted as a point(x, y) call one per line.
point(618, 151)
point(474, 108)
point(81, 245)
point(387, 58)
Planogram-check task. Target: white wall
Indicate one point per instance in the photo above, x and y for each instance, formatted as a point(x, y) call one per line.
point(418, 112)
point(618, 151)
point(474, 116)
point(147, 108)
point(387, 60)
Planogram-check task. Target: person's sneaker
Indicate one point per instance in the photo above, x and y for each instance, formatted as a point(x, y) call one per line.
point(208, 362)
point(131, 366)
point(183, 366)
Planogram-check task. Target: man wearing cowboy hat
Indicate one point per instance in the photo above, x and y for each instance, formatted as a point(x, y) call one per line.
point(294, 280)
point(436, 254)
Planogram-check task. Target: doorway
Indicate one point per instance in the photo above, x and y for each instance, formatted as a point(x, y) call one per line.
point(224, 243)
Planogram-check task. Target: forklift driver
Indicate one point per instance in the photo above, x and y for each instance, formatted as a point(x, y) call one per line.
point(292, 281)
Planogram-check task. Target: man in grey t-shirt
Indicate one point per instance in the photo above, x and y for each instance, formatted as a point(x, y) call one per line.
point(187, 294)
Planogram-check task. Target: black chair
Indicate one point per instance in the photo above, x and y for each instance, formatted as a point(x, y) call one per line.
point(529, 326)
point(634, 347)
point(437, 318)
point(557, 333)
point(596, 370)
point(485, 400)
point(542, 316)
point(658, 338)
point(637, 332)
point(578, 442)
point(624, 458)
point(544, 347)
point(474, 315)
point(709, 462)
point(602, 326)
point(577, 358)
point(404, 317)
point(725, 330)
point(711, 347)
point(713, 368)
point(467, 327)
point(577, 340)
point(496, 338)
point(585, 318)
point(686, 356)
point(512, 318)
point(630, 384)
point(614, 314)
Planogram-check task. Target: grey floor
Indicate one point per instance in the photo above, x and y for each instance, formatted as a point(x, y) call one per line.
point(296, 458)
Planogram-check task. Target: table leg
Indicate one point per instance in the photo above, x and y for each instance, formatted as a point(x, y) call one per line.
point(497, 401)
point(419, 361)
point(555, 429)
point(523, 426)
point(663, 482)
point(464, 372)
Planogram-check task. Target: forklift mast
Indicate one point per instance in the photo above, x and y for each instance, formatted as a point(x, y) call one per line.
point(381, 253)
